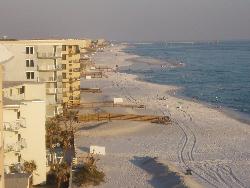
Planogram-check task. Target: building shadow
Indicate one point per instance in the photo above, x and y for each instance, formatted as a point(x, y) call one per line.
point(162, 177)
point(84, 149)
point(92, 127)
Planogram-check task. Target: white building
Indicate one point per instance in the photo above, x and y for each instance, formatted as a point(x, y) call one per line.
point(24, 110)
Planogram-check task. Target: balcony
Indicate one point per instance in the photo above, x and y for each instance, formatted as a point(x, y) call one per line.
point(49, 68)
point(55, 102)
point(16, 147)
point(14, 168)
point(52, 79)
point(15, 125)
point(59, 101)
point(48, 55)
point(59, 90)
point(53, 91)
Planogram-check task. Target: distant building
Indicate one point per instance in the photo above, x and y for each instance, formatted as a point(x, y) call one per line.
point(54, 62)
point(24, 111)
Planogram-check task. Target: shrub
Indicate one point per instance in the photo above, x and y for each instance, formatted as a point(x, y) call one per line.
point(88, 174)
point(29, 166)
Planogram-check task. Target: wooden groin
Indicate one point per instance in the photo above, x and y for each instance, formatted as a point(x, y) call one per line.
point(109, 104)
point(91, 90)
point(130, 117)
point(103, 68)
point(93, 74)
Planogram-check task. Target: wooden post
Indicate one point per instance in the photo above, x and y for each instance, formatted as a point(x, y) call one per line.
point(98, 117)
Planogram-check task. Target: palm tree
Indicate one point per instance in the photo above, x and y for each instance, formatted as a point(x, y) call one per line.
point(62, 171)
point(53, 131)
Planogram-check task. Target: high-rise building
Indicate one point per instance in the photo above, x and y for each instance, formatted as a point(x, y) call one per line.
point(54, 62)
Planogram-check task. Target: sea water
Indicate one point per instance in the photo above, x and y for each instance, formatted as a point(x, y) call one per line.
point(217, 73)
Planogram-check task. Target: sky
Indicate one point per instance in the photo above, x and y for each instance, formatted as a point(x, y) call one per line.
point(126, 20)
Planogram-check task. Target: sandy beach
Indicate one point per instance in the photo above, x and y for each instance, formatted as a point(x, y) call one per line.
point(142, 154)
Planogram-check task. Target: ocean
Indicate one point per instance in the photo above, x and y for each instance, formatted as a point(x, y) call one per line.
point(217, 73)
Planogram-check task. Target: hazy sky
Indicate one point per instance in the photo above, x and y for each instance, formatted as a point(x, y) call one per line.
point(128, 20)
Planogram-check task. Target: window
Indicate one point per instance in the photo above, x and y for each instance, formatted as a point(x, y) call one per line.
point(30, 75)
point(64, 75)
point(64, 66)
point(64, 57)
point(64, 48)
point(18, 115)
point(27, 63)
point(29, 50)
point(22, 89)
point(30, 63)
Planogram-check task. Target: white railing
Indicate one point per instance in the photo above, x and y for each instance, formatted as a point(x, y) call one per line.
point(16, 147)
point(48, 55)
point(12, 147)
point(53, 90)
point(14, 125)
point(49, 67)
point(11, 126)
point(52, 79)
point(59, 90)
point(21, 122)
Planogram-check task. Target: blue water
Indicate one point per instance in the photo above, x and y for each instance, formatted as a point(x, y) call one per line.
point(216, 73)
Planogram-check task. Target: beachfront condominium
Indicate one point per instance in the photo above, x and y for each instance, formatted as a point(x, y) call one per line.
point(24, 109)
point(54, 62)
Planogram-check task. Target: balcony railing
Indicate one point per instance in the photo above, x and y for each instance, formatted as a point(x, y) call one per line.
point(48, 55)
point(54, 79)
point(15, 167)
point(49, 67)
point(53, 90)
point(16, 147)
point(15, 125)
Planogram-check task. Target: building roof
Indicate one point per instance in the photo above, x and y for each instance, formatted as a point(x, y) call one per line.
point(43, 42)
point(7, 84)
point(5, 55)
point(16, 180)
point(7, 101)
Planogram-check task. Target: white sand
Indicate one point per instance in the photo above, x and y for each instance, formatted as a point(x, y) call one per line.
point(215, 146)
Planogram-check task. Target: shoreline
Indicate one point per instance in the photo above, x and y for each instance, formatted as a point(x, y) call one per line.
point(230, 112)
